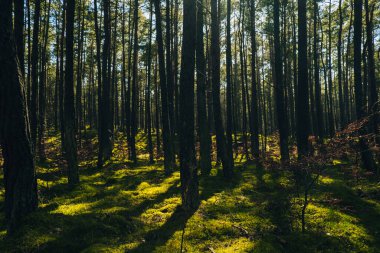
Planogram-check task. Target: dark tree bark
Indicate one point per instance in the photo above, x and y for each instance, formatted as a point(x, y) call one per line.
point(34, 74)
point(189, 177)
point(346, 91)
point(62, 77)
point(42, 90)
point(340, 76)
point(28, 79)
point(91, 118)
point(169, 78)
point(330, 82)
point(105, 138)
point(215, 68)
point(148, 88)
point(279, 87)
point(19, 32)
point(229, 119)
point(19, 172)
point(254, 118)
point(295, 72)
point(69, 109)
point(123, 74)
point(128, 95)
point(302, 106)
point(175, 57)
point(373, 103)
point(318, 103)
point(134, 83)
point(169, 162)
point(366, 154)
point(157, 107)
point(99, 65)
point(79, 72)
point(114, 75)
point(57, 73)
point(244, 86)
point(203, 128)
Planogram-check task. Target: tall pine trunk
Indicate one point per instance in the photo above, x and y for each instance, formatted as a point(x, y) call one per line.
point(69, 109)
point(373, 103)
point(105, 138)
point(215, 68)
point(229, 119)
point(366, 154)
point(170, 79)
point(254, 118)
point(19, 32)
point(134, 87)
point(189, 176)
point(42, 90)
point(19, 172)
point(148, 88)
point(302, 96)
point(169, 162)
point(282, 118)
point(318, 103)
point(203, 127)
point(342, 114)
point(34, 74)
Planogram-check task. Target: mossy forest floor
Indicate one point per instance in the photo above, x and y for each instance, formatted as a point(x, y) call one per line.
point(125, 208)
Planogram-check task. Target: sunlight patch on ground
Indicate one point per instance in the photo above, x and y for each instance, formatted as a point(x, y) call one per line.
point(160, 212)
point(339, 224)
point(74, 209)
point(325, 180)
point(125, 207)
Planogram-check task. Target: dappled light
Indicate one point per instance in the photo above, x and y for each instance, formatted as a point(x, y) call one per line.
point(138, 209)
point(214, 126)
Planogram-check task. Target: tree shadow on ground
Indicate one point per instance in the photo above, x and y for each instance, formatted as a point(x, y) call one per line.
point(177, 221)
point(274, 197)
point(352, 204)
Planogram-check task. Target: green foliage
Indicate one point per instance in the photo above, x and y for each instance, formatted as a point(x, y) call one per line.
point(137, 209)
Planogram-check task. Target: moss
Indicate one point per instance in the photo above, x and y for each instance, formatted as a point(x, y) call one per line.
point(126, 208)
point(73, 209)
point(326, 180)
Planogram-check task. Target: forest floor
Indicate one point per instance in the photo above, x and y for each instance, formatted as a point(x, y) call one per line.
point(126, 208)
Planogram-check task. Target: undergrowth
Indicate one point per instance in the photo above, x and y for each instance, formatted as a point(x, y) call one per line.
point(126, 208)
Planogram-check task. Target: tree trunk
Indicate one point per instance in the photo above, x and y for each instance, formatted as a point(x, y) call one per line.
point(215, 68)
point(342, 113)
point(229, 124)
point(302, 107)
point(254, 118)
point(330, 84)
point(373, 103)
point(34, 74)
point(19, 32)
point(105, 138)
point(366, 154)
point(79, 69)
point(148, 88)
point(134, 85)
point(42, 90)
point(19, 172)
point(203, 128)
point(189, 177)
point(62, 78)
point(170, 79)
point(69, 109)
point(169, 163)
point(279, 89)
point(318, 102)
